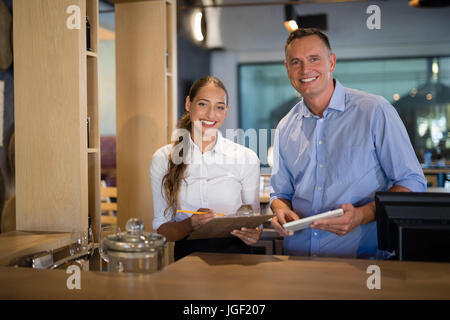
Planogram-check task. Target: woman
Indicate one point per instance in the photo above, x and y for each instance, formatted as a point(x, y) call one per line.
point(204, 172)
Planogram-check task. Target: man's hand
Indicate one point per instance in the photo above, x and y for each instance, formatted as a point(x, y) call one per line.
point(283, 210)
point(344, 224)
point(283, 215)
point(352, 217)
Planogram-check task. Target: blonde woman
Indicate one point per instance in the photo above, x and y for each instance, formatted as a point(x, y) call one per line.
point(205, 172)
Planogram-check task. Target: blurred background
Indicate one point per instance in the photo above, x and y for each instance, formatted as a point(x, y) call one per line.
point(406, 60)
point(398, 49)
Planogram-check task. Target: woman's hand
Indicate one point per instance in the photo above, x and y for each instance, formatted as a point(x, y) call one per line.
point(198, 219)
point(248, 235)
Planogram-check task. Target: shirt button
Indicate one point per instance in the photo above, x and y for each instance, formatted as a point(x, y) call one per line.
point(320, 165)
point(315, 234)
point(319, 188)
point(320, 142)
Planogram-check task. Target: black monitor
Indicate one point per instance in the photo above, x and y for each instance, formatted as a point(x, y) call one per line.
point(415, 225)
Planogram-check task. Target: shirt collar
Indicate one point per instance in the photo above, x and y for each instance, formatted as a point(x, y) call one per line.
point(218, 146)
point(337, 102)
point(304, 111)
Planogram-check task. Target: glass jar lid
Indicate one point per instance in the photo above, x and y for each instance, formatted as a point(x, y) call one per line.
point(134, 239)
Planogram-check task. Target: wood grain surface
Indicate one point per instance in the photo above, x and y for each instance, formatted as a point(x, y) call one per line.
point(141, 104)
point(50, 117)
point(16, 244)
point(238, 276)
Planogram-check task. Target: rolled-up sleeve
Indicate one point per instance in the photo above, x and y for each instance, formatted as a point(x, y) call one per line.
point(281, 180)
point(158, 169)
point(394, 149)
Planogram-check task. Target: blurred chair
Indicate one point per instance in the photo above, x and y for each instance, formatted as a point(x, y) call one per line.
point(108, 159)
point(108, 208)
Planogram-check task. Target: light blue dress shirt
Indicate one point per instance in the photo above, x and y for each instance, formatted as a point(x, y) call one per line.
point(359, 147)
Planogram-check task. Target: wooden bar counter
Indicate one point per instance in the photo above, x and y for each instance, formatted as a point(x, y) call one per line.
point(237, 276)
point(17, 244)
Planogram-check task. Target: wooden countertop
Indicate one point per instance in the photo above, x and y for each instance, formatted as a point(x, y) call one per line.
point(237, 276)
point(16, 244)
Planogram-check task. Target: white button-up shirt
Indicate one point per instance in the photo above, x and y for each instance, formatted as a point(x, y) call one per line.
point(221, 179)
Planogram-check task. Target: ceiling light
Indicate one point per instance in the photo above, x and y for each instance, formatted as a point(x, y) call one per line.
point(291, 25)
point(435, 66)
point(429, 3)
point(289, 18)
point(292, 21)
point(197, 26)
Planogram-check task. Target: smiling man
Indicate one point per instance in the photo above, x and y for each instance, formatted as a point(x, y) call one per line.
point(335, 149)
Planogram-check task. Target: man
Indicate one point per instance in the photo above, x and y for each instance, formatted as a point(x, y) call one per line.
point(335, 149)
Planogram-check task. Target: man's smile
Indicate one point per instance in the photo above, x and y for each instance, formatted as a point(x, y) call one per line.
point(306, 80)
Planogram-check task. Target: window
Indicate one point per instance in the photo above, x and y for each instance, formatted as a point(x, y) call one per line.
point(419, 88)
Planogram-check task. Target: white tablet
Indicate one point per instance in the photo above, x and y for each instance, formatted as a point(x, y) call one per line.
point(305, 222)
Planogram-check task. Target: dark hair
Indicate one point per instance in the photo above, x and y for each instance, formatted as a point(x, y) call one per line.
point(306, 32)
point(203, 82)
point(171, 182)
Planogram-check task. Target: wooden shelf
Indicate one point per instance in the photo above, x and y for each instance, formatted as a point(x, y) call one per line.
point(91, 54)
point(16, 244)
point(58, 77)
point(436, 170)
point(92, 109)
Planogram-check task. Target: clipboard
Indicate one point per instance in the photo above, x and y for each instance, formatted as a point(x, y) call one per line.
point(221, 227)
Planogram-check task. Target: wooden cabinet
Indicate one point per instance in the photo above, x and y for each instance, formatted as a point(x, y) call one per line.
point(146, 77)
point(56, 91)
